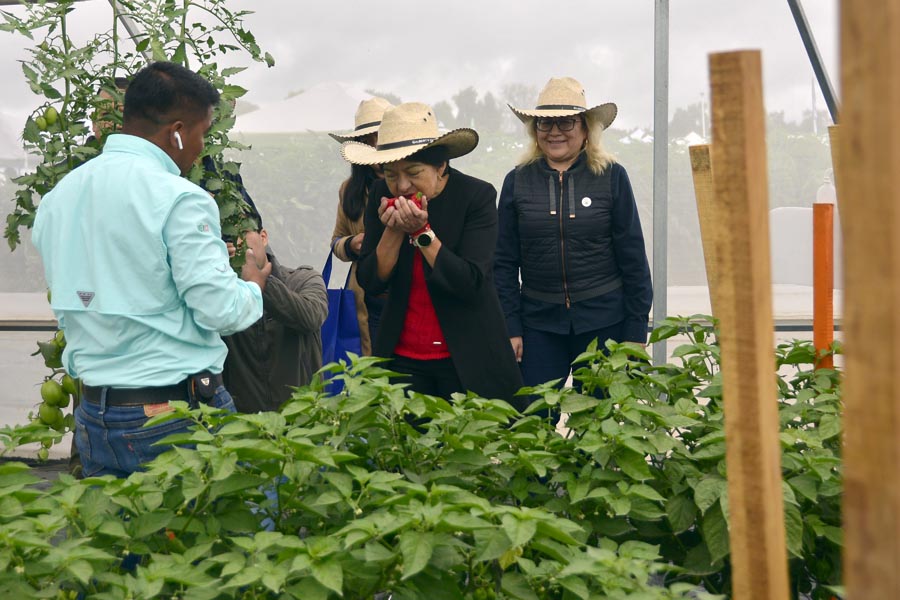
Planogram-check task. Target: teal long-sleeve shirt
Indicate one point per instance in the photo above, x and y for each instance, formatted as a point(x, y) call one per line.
point(139, 276)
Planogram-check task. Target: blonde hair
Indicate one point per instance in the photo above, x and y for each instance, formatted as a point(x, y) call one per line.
point(598, 158)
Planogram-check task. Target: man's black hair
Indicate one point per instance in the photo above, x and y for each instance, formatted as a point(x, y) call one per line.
point(163, 92)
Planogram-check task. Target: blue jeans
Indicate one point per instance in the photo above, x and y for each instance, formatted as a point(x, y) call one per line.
point(547, 356)
point(112, 440)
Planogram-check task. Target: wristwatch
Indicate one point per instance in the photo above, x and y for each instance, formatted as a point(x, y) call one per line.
point(423, 239)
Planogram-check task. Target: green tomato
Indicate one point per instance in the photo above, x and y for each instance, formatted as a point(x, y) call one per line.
point(41, 123)
point(51, 116)
point(69, 385)
point(51, 416)
point(53, 394)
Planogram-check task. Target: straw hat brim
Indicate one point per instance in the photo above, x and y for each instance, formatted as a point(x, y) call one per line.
point(605, 113)
point(354, 135)
point(458, 142)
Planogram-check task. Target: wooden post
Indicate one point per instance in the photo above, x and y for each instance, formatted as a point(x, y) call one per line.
point(834, 137)
point(869, 189)
point(744, 302)
point(711, 237)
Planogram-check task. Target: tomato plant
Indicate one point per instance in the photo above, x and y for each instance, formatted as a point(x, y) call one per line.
point(76, 84)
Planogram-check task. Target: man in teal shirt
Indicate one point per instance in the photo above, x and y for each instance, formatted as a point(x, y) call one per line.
point(139, 276)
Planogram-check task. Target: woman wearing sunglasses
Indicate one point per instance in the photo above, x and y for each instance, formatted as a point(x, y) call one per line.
point(570, 263)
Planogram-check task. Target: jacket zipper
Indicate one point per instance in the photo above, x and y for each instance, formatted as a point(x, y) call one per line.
point(562, 242)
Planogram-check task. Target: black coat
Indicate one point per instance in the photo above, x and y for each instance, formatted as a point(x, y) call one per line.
point(461, 284)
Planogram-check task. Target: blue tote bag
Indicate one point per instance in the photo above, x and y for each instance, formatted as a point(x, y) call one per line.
point(340, 332)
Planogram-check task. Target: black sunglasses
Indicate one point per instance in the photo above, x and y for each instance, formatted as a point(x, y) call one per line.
point(562, 123)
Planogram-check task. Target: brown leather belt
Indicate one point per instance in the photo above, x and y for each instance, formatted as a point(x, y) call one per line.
point(146, 395)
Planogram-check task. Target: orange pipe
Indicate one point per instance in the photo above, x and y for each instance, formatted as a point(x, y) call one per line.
point(823, 282)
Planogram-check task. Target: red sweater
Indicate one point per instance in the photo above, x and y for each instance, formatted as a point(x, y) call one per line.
point(421, 337)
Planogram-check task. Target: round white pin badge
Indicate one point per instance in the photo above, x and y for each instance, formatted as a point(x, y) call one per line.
point(585, 202)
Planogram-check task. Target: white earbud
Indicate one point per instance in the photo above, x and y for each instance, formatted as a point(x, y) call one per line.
point(178, 141)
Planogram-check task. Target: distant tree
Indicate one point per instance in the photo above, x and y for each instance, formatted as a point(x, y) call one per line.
point(686, 120)
point(490, 113)
point(821, 124)
point(392, 98)
point(443, 112)
point(466, 107)
point(483, 114)
point(520, 95)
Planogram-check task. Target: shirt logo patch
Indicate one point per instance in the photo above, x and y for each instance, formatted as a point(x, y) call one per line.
point(203, 228)
point(86, 298)
point(585, 202)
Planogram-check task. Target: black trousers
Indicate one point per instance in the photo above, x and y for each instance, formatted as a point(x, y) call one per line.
point(431, 377)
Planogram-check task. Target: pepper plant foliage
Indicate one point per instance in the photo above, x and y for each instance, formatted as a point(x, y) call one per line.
point(377, 490)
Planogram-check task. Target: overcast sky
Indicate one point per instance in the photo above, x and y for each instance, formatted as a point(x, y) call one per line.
point(429, 51)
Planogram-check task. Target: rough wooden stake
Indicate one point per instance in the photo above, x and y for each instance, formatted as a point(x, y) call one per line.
point(744, 302)
point(869, 193)
point(834, 137)
point(701, 166)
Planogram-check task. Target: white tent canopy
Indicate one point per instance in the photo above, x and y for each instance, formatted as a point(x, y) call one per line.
point(324, 107)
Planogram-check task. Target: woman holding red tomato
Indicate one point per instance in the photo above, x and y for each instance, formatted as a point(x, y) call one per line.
point(431, 250)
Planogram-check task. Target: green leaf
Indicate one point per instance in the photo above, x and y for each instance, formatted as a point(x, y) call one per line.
point(576, 403)
point(645, 491)
point(519, 531)
point(835, 535)
point(576, 585)
point(708, 491)
point(330, 574)
point(417, 548)
point(632, 464)
point(516, 586)
point(681, 512)
point(113, 529)
point(829, 427)
point(793, 527)
point(715, 533)
point(234, 483)
point(82, 570)
point(270, 61)
point(698, 562)
point(309, 589)
point(490, 545)
point(147, 523)
point(806, 486)
point(375, 552)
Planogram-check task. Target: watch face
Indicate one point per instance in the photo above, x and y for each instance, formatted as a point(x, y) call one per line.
point(424, 239)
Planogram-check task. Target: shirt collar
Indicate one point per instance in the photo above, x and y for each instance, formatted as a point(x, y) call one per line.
point(132, 144)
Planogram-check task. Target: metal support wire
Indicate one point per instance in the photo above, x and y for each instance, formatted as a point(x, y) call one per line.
point(660, 171)
point(815, 58)
point(129, 26)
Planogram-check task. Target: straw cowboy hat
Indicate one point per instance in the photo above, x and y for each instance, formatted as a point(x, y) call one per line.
point(406, 129)
point(367, 119)
point(564, 97)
